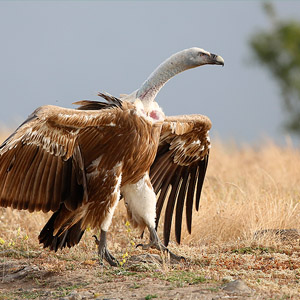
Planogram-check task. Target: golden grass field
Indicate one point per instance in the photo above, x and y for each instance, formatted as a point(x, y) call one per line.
point(247, 189)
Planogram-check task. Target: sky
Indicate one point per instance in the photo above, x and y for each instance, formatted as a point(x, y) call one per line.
point(60, 52)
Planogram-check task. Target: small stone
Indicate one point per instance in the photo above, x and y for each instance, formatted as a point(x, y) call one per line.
point(236, 286)
point(74, 296)
point(87, 295)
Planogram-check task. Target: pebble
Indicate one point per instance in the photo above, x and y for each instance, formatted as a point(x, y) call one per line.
point(236, 286)
point(74, 296)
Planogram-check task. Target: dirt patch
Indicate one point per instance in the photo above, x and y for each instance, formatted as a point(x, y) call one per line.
point(241, 273)
point(22, 280)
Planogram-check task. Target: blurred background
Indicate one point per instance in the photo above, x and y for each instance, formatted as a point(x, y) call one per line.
point(61, 52)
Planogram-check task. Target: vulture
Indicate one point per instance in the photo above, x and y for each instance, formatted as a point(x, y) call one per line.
point(78, 163)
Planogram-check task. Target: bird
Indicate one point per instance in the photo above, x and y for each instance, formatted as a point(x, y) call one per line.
point(79, 163)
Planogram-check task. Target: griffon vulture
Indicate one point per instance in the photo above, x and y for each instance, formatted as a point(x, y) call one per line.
point(77, 163)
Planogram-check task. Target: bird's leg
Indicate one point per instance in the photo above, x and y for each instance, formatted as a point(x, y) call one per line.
point(103, 252)
point(140, 201)
point(156, 243)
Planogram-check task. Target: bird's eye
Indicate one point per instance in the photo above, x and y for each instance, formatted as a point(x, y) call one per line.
point(202, 54)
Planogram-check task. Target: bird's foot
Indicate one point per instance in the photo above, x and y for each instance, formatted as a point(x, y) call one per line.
point(157, 244)
point(103, 252)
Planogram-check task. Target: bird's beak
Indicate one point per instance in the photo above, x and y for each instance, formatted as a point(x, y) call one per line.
point(216, 60)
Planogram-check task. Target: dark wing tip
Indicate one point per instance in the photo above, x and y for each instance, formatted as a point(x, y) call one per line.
point(171, 204)
point(180, 203)
point(29, 119)
point(111, 99)
point(178, 171)
point(64, 238)
point(202, 166)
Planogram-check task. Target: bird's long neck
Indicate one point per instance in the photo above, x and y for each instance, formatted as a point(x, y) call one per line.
point(175, 64)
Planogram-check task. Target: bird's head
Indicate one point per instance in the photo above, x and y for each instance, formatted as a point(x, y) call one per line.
point(177, 63)
point(197, 57)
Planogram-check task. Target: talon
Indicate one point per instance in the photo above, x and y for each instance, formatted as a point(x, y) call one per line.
point(172, 255)
point(157, 244)
point(146, 246)
point(176, 257)
point(96, 239)
point(109, 258)
point(103, 252)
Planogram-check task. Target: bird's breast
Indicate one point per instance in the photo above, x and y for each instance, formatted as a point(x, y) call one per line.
point(142, 151)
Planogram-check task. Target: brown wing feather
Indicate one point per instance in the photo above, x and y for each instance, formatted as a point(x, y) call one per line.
point(180, 202)
point(190, 197)
point(41, 164)
point(175, 183)
point(178, 171)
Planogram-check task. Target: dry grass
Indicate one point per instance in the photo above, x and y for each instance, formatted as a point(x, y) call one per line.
point(246, 189)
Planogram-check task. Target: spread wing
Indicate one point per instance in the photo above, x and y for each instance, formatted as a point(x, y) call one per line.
point(178, 171)
point(41, 163)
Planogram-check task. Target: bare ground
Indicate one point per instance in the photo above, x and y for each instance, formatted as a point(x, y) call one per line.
point(24, 281)
point(253, 272)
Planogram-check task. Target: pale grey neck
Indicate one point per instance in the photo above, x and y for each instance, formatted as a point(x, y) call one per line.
point(169, 68)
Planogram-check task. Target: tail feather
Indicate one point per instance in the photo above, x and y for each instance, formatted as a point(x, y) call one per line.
point(63, 238)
